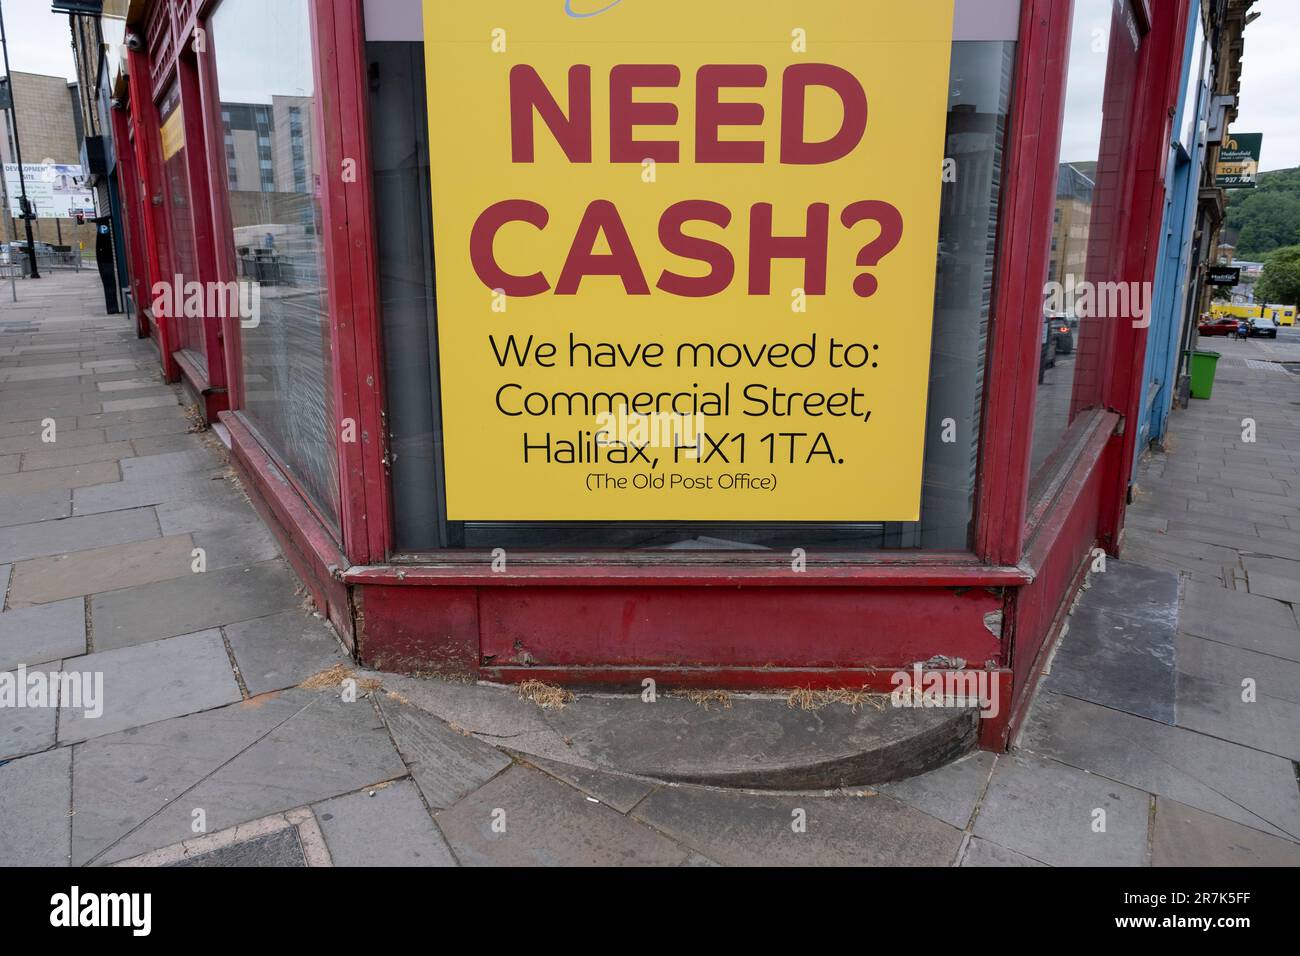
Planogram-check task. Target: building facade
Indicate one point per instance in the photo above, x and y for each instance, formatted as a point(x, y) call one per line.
point(47, 111)
point(303, 150)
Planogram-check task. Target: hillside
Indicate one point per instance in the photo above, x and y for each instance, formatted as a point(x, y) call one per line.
point(1266, 217)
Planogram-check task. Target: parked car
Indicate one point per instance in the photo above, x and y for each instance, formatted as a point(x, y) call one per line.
point(1263, 328)
point(1223, 326)
point(1047, 354)
point(18, 248)
point(1061, 331)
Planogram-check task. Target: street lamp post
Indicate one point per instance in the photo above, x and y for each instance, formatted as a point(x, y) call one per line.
point(18, 149)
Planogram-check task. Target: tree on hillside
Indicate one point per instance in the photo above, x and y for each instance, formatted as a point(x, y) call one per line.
point(1279, 284)
point(1266, 217)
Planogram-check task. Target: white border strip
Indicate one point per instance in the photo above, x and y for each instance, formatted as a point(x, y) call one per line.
point(975, 19)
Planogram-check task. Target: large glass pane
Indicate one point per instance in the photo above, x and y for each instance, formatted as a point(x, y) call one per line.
point(180, 214)
point(1083, 297)
point(980, 91)
point(272, 148)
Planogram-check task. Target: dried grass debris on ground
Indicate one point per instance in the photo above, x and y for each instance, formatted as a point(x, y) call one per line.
point(805, 698)
point(544, 695)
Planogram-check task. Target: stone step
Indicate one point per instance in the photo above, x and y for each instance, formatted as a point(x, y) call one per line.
point(755, 742)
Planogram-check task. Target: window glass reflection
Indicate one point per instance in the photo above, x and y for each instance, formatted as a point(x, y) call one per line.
point(272, 154)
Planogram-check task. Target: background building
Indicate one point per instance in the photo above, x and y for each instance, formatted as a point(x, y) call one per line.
point(49, 126)
point(1194, 206)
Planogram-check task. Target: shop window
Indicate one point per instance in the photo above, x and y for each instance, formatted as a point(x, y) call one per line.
point(264, 70)
point(1084, 297)
point(180, 215)
point(981, 74)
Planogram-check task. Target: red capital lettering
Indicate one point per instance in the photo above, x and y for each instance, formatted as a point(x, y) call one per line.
point(722, 265)
point(711, 113)
point(794, 102)
point(811, 248)
point(483, 236)
point(625, 114)
point(573, 133)
point(602, 216)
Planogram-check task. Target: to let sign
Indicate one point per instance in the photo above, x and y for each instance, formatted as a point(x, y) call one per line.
point(1238, 166)
point(685, 255)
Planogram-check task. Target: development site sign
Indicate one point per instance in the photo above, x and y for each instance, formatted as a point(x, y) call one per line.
point(685, 255)
point(55, 190)
point(1238, 165)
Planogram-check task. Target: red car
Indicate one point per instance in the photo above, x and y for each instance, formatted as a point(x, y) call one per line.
point(1226, 326)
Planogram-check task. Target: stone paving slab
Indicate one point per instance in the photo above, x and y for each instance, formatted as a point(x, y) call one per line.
point(34, 808)
point(1052, 813)
point(1274, 565)
point(223, 507)
point(737, 828)
point(1283, 642)
point(150, 428)
point(48, 479)
point(984, 853)
point(445, 764)
point(1222, 663)
point(48, 632)
point(55, 537)
point(282, 650)
point(1222, 605)
point(492, 714)
point(1185, 836)
point(619, 791)
point(29, 439)
point(949, 793)
point(37, 506)
point(152, 682)
point(194, 602)
point(328, 747)
point(1267, 723)
point(548, 824)
point(244, 543)
point(1235, 782)
point(131, 404)
point(1119, 648)
point(171, 464)
point(26, 730)
point(172, 412)
point(125, 778)
point(385, 826)
point(56, 456)
point(164, 444)
point(1275, 586)
point(141, 492)
point(42, 580)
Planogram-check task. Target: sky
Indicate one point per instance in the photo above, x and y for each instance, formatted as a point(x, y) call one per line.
point(39, 42)
point(1270, 83)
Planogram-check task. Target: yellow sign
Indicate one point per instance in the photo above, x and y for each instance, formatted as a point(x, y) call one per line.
point(173, 134)
point(685, 255)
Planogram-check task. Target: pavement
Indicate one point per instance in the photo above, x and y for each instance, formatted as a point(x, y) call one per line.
point(216, 719)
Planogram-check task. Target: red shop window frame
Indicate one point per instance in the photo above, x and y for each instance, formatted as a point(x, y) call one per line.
point(1024, 218)
point(347, 219)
